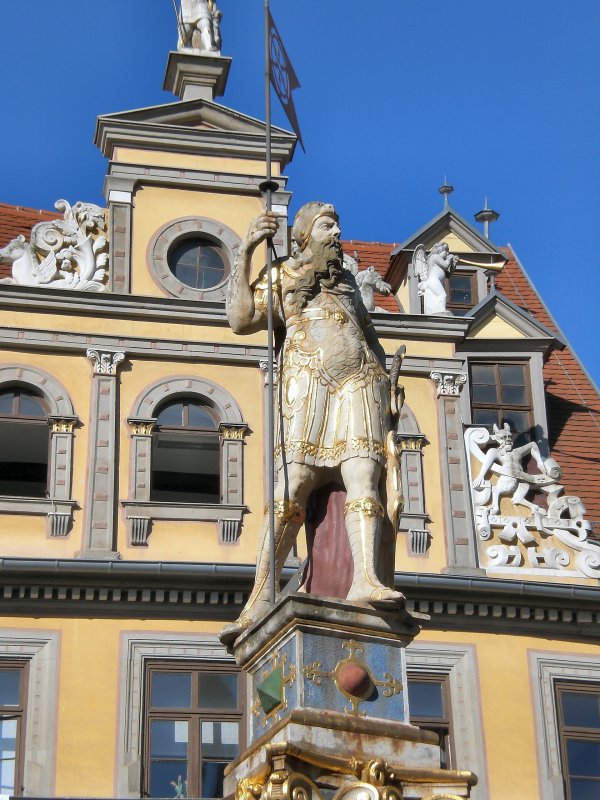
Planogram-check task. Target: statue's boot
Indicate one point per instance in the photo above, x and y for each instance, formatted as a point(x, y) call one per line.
point(288, 519)
point(363, 524)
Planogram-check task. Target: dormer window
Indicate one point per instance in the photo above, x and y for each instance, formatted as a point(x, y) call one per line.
point(500, 393)
point(461, 289)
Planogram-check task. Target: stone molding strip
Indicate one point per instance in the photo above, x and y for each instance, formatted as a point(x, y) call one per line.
point(172, 349)
point(46, 587)
point(59, 301)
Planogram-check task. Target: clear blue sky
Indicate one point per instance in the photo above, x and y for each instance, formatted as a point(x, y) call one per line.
point(502, 97)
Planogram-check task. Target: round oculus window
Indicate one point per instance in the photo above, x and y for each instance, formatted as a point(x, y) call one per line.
point(197, 262)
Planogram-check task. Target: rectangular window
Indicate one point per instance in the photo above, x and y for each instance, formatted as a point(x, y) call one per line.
point(13, 691)
point(500, 393)
point(192, 728)
point(429, 707)
point(461, 291)
point(578, 709)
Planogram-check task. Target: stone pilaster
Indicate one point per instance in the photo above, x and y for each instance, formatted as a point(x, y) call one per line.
point(61, 463)
point(101, 493)
point(120, 214)
point(460, 534)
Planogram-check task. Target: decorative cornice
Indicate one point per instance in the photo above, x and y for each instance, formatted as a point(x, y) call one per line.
point(49, 587)
point(449, 384)
point(104, 363)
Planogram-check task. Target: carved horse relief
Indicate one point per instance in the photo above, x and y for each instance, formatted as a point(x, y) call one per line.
point(63, 254)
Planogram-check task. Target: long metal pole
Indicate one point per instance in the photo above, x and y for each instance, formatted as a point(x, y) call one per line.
point(270, 348)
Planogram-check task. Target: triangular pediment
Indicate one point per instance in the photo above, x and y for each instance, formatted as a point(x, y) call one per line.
point(197, 126)
point(460, 235)
point(497, 317)
point(197, 113)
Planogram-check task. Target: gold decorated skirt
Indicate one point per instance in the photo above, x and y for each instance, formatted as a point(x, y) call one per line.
point(325, 421)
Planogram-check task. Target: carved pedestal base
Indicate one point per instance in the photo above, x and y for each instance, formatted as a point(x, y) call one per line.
point(329, 711)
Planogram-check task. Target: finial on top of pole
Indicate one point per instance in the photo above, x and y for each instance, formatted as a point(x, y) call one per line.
point(446, 189)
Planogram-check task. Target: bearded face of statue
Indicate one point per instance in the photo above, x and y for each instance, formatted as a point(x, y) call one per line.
point(321, 262)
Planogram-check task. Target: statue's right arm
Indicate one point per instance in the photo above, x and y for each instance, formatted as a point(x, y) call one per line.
point(242, 314)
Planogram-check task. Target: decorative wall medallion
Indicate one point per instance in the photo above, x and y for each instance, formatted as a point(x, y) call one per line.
point(353, 678)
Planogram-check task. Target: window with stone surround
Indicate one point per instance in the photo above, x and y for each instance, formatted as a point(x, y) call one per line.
point(578, 711)
point(37, 424)
point(192, 727)
point(187, 437)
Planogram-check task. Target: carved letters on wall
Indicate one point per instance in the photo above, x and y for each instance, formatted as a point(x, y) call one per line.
point(67, 253)
point(515, 534)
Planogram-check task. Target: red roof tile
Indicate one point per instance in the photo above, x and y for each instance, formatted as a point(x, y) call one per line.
point(573, 404)
point(15, 220)
point(378, 255)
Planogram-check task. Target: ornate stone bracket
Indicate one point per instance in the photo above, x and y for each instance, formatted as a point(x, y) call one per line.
point(449, 384)
point(418, 542)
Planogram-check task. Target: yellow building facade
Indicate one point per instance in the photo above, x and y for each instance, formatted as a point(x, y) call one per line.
point(133, 426)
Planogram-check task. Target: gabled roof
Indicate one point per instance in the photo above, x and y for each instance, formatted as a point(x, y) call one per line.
point(572, 400)
point(495, 304)
point(199, 126)
point(449, 219)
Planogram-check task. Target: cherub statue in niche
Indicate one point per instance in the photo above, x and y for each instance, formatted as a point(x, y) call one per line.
point(431, 271)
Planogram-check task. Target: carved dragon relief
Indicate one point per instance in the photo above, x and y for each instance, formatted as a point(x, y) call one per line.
point(514, 532)
point(67, 253)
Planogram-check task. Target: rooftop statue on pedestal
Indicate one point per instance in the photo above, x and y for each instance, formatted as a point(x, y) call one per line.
point(199, 26)
point(336, 400)
point(431, 271)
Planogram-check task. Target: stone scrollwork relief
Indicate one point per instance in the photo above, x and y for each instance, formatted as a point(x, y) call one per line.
point(449, 384)
point(368, 282)
point(516, 533)
point(68, 253)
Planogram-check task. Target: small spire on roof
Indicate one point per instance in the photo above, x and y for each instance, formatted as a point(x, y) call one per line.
point(446, 190)
point(486, 215)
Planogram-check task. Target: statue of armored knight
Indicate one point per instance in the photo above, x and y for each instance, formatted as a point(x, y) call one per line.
point(336, 400)
point(199, 26)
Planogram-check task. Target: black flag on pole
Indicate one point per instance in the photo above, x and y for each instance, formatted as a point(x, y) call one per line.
point(283, 77)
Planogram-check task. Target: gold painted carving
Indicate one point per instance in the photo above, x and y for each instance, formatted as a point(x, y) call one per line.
point(286, 510)
point(230, 432)
point(368, 506)
point(411, 443)
point(390, 685)
point(62, 425)
point(249, 789)
point(278, 660)
point(142, 428)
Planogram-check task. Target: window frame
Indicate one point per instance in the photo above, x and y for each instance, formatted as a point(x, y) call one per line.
point(441, 726)
point(40, 422)
point(21, 715)
point(194, 715)
point(176, 231)
point(501, 406)
point(188, 431)
point(566, 732)
point(474, 287)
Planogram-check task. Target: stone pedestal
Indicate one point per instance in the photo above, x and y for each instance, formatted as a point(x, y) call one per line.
point(193, 76)
point(328, 708)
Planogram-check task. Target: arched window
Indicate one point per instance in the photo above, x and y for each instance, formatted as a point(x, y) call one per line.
point(186, 453)
point(24, 440)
